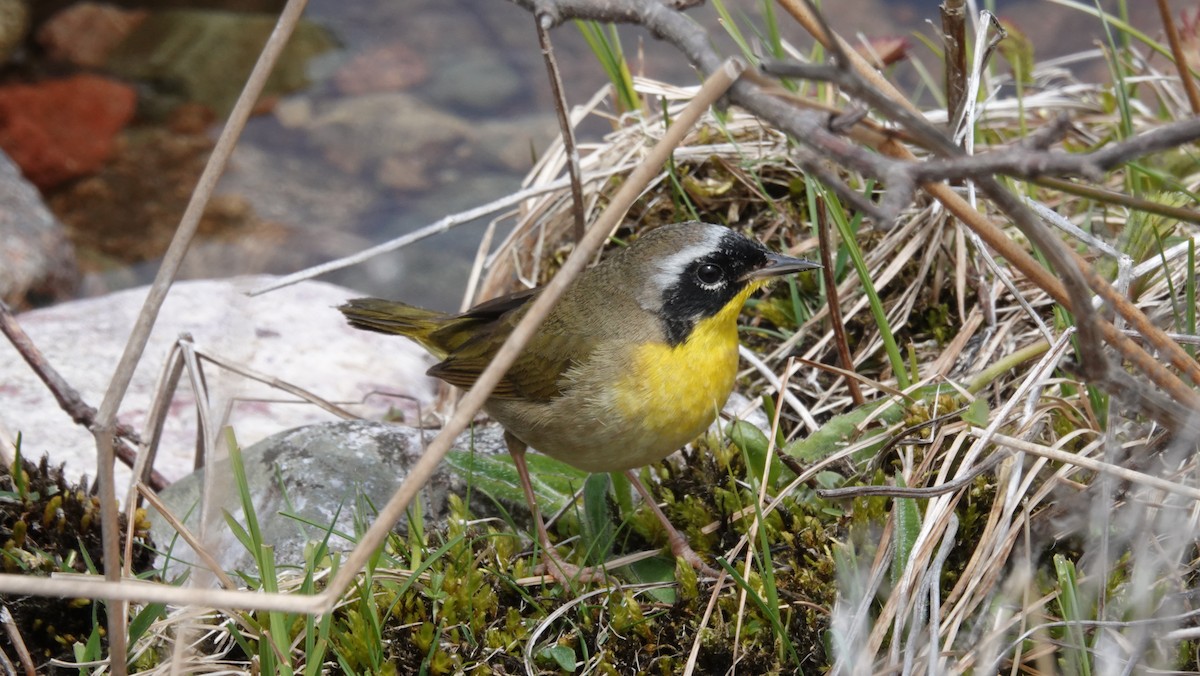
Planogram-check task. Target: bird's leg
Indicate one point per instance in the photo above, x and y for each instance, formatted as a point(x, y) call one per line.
point(679, 543)
point(560, 570)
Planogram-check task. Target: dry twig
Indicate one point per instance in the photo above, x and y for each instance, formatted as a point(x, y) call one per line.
point(564, 122)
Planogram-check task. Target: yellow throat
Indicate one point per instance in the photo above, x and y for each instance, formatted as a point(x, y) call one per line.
point(677, 391)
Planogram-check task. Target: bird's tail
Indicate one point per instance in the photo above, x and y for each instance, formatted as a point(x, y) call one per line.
point(386, 316)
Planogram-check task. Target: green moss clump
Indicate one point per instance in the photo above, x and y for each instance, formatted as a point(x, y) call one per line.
point(48, 525)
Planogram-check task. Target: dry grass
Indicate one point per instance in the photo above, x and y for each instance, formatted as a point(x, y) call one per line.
point(1053, 474)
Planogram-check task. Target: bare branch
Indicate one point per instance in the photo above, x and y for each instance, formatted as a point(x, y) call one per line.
point(1031, 158)
point(826, 250)
point(1181, 64)
point(543, 22)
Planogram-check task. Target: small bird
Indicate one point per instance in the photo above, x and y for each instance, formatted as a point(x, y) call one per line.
point(634, 361)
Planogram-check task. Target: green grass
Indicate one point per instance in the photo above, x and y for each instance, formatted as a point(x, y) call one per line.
point(846, 228)
point(605, 44)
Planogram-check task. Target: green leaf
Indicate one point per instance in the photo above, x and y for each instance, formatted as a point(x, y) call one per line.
point(598, 530)
point(908, 527)
point(839, 430)
point(563, 655)
point(772, 615)
point(607, 49)
point(89, 652)
point(622, 493)
point(18, 474)
point(656, 569)
point(554, 482)
point(754, 444)
point(1076, 656)
point(253, 538)
point(238, 532)
point(845, 230)
point(834, 434)
point(977, 413)
point(143, 619)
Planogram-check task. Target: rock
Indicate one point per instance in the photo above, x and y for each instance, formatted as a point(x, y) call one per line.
point(473, 81)
point(293, 334)
point(406, 173)
point(359, 133)
point(385, 68)
point(84, 34)
point(512, 144)
point(130, 209)
point(206, 56)
point(289, 188)
point(63, 129)
point(37, 261)
point(323, 474)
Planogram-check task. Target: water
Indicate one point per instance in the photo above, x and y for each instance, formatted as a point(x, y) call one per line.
point(427, 108)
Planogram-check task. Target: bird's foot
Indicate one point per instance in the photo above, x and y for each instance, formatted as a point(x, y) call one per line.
point(681, 549)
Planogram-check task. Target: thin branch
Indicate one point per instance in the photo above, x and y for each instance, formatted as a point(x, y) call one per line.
point(954, 42)
point(1181, 64)
point(831, 296)
point(184, 532)
point(1140, 323)
point(543, 23)
point(1072, 291)
point(1028, 159)
point(1112, 197)
point(1092, 464)
point(18, 643)
point(952, 486)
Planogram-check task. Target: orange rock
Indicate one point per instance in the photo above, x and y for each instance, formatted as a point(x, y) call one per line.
point(63, 129)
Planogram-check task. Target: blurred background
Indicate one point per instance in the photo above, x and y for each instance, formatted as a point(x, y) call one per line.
point(383, 116)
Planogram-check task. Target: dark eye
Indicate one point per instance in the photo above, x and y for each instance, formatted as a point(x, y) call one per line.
point(709, 274)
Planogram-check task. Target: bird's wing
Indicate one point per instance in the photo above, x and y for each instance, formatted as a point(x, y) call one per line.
point(537, 373)
point(484, 319)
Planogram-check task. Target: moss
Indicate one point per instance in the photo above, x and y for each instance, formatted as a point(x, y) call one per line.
point(48, 526)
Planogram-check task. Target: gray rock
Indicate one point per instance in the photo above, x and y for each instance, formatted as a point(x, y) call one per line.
point(294, 189)
point(335, 473)
point(358, 133)
point(36, 258)
point(512, 144)
point(473, 81)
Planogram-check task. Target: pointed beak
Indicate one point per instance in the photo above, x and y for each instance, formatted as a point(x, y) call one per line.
point(778, 264)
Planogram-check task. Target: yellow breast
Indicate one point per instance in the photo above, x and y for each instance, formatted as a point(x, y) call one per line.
point(673, 393)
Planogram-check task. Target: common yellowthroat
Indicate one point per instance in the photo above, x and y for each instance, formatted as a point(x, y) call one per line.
point(634, 361)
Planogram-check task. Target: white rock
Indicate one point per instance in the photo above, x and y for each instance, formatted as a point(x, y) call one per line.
point(295, 335)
